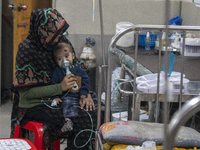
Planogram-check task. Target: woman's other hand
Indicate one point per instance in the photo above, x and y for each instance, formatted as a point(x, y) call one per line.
point(87, 102)
point(68, 82)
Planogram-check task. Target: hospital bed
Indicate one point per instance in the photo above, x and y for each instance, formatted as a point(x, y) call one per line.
point(136, 69)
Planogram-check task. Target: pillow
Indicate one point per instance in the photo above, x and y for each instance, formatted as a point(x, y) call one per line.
point(135, 133)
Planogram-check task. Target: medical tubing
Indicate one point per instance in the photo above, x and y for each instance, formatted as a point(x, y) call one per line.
point(84, 130)
point(81, 130)
point(117, 86)
point(50, 106)
point(113, 92)
point(44, 101)
point(65, 94)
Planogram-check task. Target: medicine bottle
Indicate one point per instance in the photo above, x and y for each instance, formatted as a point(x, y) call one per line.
point(147, 42)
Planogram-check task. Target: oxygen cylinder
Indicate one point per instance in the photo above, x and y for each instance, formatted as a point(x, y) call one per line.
point(88, 57)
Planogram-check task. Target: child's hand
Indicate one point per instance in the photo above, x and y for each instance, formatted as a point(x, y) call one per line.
point(83, 96)
point(56, 101)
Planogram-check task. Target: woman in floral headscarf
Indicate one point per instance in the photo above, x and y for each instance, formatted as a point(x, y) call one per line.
point(34, 68)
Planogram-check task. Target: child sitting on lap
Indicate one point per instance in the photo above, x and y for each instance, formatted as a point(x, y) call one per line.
point(70, 99)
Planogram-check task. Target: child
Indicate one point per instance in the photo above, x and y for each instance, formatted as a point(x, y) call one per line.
point(70, 99)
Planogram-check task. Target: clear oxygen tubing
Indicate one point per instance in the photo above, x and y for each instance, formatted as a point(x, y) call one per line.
point(116, 87)
point(44, 101)
point(91, 130)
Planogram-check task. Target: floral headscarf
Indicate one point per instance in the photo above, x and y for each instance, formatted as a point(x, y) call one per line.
point(34, 60)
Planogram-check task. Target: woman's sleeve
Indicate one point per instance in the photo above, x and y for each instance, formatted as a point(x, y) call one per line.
point(42, 91)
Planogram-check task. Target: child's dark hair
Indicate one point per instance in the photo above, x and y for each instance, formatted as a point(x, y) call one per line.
point(59, 45)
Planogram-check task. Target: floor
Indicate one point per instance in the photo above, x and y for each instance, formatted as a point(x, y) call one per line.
point(5, 115)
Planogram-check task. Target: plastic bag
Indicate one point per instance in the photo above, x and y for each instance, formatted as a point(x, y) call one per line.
point(175, 21)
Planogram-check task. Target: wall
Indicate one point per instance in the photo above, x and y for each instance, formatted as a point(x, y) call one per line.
point(190, 14)
point(78, 14)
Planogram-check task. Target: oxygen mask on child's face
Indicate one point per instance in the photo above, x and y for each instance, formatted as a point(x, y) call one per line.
point(66, 64)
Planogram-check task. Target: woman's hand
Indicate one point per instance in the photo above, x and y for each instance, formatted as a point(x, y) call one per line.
point(68, 82)
point(88, 102)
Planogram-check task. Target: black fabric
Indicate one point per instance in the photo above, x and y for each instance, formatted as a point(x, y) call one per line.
point(42, 113)
point(52, 126)
point(34, 60)
point(81, 122)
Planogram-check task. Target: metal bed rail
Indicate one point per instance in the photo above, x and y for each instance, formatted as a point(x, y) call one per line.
point(179, 119)
point(137, 28)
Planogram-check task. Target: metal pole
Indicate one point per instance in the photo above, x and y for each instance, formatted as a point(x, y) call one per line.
point(167, 96)
point(99, 108)
point(158, 81)
point(100, 143)
point(102, 31)
point(182, 70)
point(99, 98)
point(135, 69)
point(108, 91)
point(102, 40)
point(179, 119)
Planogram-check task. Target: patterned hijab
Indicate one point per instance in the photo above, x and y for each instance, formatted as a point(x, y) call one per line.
point(34, 60)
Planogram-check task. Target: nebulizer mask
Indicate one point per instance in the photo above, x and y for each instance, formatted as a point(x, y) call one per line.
point(65, 64)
